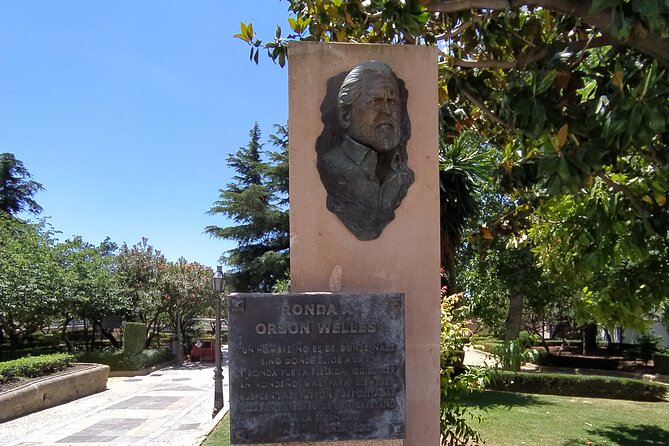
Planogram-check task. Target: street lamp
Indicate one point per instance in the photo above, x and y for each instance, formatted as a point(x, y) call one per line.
point(218, 286)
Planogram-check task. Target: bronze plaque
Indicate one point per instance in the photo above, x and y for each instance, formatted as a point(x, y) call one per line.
point(316, 367)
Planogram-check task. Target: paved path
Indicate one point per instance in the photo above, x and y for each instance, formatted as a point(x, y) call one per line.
point(171, 406)
point(475, 357)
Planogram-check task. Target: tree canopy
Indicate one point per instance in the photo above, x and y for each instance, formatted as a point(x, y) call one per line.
point(573, 95)
point(47, 284)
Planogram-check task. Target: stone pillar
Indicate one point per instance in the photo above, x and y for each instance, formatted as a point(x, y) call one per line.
point(325, 256)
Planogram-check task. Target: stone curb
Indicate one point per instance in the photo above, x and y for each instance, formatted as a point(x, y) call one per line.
point(53, 390)
point(140, 372)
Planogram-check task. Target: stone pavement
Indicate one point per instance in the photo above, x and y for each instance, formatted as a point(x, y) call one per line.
point(479, 358)
point(171, 406)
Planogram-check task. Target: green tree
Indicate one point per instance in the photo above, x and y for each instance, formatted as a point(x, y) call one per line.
point(91, 288)
point(594, 242)
point(142, 271)
point(188, 294)
point(464, 170)
point(16, 187)
point(256, 200)
point(573, 94)
point(31, 281)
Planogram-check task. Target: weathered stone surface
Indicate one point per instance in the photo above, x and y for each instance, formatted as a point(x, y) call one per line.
point(316, 366)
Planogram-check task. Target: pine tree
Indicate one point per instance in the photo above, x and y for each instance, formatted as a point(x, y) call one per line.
point(256, 201)
point(16, 187)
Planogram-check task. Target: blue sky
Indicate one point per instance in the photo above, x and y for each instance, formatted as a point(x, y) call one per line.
point(126, 111)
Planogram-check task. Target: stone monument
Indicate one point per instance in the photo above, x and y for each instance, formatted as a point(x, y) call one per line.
point(316, 367)
point(364, 214)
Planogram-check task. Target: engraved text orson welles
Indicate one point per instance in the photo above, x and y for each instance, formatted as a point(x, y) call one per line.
point(311, 367)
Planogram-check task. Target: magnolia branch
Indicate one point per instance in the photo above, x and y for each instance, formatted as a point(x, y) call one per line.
point(533, 55)
point(636, 203)
point(646, 42)
point(486, 111)
point(459, 30)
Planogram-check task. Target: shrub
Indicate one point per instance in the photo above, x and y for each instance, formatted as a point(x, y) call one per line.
point(527, 339)
point(34, 366)
point(457, 380)
point(661, 361)
point(580, 362)
point(646, 345)
point(488, 345)
point(134, 337)
point(580, 385)
point(8, 355)
point(121, 360)
point(562, 342)
point(513, 354)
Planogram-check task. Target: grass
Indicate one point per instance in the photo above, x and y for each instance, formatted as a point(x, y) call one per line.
point(514, 419)
point(220, 436)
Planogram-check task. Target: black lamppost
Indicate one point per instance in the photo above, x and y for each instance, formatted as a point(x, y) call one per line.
point(218, 285)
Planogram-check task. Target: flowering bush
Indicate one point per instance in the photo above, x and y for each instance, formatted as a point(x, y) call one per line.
point(457, 380)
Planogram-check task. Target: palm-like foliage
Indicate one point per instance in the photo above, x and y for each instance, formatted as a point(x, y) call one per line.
point(464, 166)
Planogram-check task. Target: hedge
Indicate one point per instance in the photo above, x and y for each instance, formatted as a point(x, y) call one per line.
point(121, 360)
point(661, 362)
point(134, 337)
point(34, 366)
point(579, 362)
point(591, 386)
point(8, 355)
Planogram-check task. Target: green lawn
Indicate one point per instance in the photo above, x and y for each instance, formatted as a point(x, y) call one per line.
point(514, 419)
point(220, 436)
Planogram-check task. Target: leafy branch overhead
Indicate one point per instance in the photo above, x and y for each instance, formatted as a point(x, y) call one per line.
point(574, 98)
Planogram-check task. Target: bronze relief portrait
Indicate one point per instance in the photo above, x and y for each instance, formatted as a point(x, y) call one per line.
point(361, 153)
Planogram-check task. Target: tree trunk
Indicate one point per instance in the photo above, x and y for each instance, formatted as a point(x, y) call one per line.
point(452, 284)
point(590, 339)
point(514, 317)
point(108, 334)
point(180, 350)
point(10, 330)
point(448, 262)
point(153, 330)
point(63, 335)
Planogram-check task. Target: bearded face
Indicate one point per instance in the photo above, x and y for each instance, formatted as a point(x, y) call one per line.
point(375, 116)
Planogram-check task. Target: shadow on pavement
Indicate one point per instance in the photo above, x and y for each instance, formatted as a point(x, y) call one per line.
point(207, 364)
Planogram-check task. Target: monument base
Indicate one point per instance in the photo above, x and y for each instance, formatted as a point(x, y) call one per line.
point(339, 443)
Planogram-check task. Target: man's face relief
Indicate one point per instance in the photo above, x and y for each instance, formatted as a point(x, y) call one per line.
point(375, 116)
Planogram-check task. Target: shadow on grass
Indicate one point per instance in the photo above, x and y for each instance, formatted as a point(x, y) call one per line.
point(508, 400)
point(627, 435)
